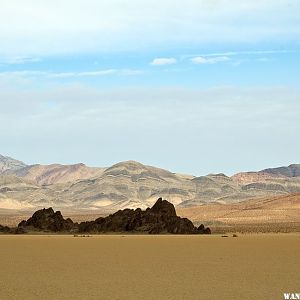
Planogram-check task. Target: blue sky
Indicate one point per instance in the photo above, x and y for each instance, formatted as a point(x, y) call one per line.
point(200, 87)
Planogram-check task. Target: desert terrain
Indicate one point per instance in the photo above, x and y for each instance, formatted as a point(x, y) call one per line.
point(130, 184)
point(149, 267)
point(149, 150)
point(261, 201)
point(274, 214)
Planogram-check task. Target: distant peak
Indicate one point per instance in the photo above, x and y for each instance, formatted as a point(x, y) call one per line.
point(218, 175)
point(80, 164)
point(294, 166)
point(8, 163)
point(129, 164)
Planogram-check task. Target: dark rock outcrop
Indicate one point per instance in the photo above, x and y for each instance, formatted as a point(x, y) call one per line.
point(161, 218)
point(202, 230)
point(5, 229)
point(8, 230)
point(47, 220)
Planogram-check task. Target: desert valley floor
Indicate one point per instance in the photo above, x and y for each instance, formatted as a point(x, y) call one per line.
point(273, 214)
point(255, 266)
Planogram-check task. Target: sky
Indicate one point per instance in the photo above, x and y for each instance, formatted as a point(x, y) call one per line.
point(195, 86)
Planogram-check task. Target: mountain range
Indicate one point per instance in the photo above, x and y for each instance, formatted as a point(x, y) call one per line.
point(130, 185)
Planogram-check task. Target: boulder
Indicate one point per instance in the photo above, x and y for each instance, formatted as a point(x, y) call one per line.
point(202, 230)
point(47, 220)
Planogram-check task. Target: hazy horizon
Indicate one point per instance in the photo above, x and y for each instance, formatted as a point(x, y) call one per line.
point(153, 165)
point(204, 87)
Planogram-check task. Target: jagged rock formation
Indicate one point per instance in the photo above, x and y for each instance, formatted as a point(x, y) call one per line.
point(161, 218)
point(47, 220)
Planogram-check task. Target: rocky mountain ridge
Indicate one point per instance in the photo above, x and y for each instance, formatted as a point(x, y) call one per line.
point(133, 185)
point(54, 173)
point(291, 171)
point(8, 163)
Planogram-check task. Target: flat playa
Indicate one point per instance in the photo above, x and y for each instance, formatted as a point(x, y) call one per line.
point(257, 266)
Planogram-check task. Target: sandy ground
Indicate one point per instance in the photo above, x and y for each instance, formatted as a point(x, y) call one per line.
point(253, 266)
point(280, 210)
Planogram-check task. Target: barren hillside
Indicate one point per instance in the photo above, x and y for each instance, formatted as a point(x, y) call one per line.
point(131, 184)
point(285, 209)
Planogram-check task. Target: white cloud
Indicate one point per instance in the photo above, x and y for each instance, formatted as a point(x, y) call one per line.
point(19, 60)
point(38, 74)
point(209, 60)
point(24, 73)
point(47, 27)
point(83, 74)
point(163, 61)
point(124, 72)
point(240, 53)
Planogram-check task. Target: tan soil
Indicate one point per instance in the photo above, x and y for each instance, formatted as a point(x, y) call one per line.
point(149, 267)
